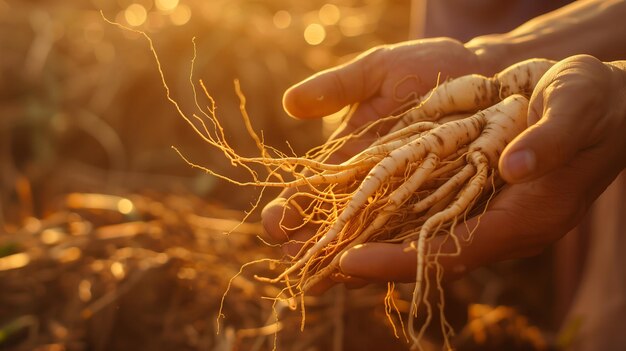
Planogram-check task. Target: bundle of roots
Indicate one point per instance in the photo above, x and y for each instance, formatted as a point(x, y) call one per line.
point(435, 167)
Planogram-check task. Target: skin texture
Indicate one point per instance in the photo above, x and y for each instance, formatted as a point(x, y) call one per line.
point(573, 149)
point(571, 152)
point(378, 81)
point(565, 178)
point(372, 79)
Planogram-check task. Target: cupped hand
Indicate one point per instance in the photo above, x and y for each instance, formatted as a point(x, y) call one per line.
point(382, 78)
point(572, 150)
point(380, 81)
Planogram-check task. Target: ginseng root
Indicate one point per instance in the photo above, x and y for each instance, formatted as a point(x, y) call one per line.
point(409, 185)
point(475, 92)
point(412, 184)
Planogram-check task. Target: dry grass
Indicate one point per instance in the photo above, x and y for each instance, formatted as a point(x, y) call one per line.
point(102, 272)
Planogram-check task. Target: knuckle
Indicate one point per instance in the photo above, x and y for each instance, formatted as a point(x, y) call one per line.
point(340, 86)
point(271, 219)
point(559, 152)
point(584, 59)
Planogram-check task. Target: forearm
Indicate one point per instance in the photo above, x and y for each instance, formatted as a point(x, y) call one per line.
point(592, 27)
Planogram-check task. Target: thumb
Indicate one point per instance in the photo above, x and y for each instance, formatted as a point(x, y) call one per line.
point(330, 90)
point(546, 145)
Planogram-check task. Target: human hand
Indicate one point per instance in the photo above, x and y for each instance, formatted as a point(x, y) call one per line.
point(573, 149)
point(381, 80)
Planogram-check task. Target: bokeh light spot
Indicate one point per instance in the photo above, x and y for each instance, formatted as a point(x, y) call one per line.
point(166, 5)
point(352, 26)
point(282, 19)
point(181, 15)
point(15, 261)
point(84, 290)
point(329, 14)
point(125, 206)
point(118, 270)
point(314, 34)
point(135, 15)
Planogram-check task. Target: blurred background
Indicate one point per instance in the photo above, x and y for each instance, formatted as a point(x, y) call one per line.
point(83, 103)
point(109, 241)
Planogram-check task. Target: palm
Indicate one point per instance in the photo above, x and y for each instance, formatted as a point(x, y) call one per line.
point(520, 221)
point(576, 136)
point(381, 81)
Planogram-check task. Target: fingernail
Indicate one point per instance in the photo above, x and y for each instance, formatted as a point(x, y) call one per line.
point(271, 217)
point(520, 164)
point(349, 262)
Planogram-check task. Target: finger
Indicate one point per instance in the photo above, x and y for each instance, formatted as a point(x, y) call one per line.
point(493, 241)
point(320, 287)
point(382, 262)
point(348, 281)
point(298, 239)
point(550, 143)
point(277, 216)
point(329, 91)
point(281, 219)
point(566, 107)
point(379, 262)
point(273, 216)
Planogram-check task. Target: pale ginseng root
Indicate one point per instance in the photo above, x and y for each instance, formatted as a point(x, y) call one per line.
point(308, 171)
point(489, 132)
point(376, 204)
point(355, 200)
point(475, 92)
point(378, 184)
point(483, 154)
point(436, 142)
